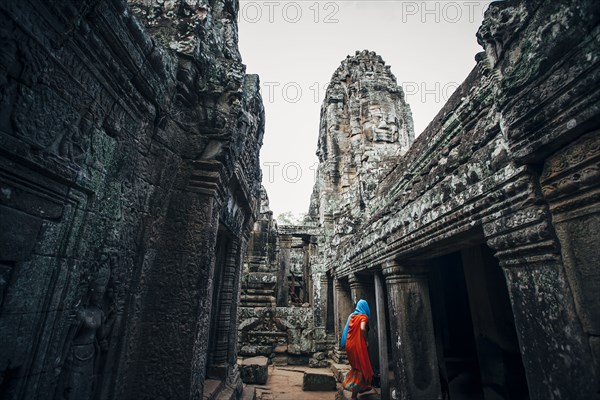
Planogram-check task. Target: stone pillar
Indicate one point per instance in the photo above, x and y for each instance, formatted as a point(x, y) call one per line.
point(320, 305)
point(342, 309)
point(555, 354)
point(413, 341)
point(306, 276)
point(169, 348)
point(285, 244)
point(570, 182)
point(357, 289)
point(382, 337)
point(321, 319)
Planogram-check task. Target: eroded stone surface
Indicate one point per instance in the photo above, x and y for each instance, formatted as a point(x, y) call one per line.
point(130, 137)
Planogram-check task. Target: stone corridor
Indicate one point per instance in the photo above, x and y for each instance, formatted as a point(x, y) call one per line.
point(139, 257)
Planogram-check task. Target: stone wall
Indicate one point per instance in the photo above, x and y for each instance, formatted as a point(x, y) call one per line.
point(510, 166)
point(129, 153)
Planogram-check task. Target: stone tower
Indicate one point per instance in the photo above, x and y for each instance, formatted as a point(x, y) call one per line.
point(365, 126)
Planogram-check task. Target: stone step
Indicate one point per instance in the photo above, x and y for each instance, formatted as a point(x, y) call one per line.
point(226, 393)
point(211, 388)
point(249, 392)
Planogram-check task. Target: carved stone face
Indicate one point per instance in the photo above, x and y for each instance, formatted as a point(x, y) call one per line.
point(382, 125)
point(96, 294)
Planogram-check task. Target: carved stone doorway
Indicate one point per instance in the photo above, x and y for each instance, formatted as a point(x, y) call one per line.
point(478, 350)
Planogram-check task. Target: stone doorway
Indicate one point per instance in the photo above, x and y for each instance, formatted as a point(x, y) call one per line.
point(478, 350)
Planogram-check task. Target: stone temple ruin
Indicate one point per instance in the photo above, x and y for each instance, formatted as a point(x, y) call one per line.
point(139, 258)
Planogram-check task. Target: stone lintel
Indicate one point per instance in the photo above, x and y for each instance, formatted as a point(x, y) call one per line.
point(207, 177)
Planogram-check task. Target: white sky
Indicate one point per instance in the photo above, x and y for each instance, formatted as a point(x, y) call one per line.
point(295, 46)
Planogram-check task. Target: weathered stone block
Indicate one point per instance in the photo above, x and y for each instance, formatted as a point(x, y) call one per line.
point(254, 350)
point(255, 370)
point(280, 360)
point(297, 360)
point(314, 363)
point(318, 382)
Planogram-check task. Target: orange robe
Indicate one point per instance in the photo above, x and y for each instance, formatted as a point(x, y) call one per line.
point(361, 373)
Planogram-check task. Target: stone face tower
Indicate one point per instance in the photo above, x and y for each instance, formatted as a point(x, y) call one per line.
point(365, 126)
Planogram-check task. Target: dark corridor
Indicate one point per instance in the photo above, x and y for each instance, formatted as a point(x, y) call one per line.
point(476, 340)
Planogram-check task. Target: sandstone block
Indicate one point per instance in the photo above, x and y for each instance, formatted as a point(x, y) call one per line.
point(314, 363)
point(255, 370)
point(318, 382)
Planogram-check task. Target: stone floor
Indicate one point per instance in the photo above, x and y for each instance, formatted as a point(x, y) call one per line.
point(285, 383)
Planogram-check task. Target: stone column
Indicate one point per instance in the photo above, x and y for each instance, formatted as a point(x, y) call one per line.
point(321, 318)
point(413, 342)
point(357, 289)
point(169, 348)
point(320, 309)
point(306, 277)
point(343, 307)
point(382, 337)
point(285, 244)
point(555, 354)
point(570, 182)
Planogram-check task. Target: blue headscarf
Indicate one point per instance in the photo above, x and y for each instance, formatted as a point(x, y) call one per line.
point(362, 307)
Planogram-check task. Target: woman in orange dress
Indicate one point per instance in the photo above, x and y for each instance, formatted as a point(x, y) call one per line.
point(354, 339)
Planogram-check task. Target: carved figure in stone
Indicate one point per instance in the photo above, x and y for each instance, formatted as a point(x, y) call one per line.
point(264, 201)
point(501, 23)
point(88, 340)
point(381, 126)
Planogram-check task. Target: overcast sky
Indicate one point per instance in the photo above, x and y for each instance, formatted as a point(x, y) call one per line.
point(295, 46)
